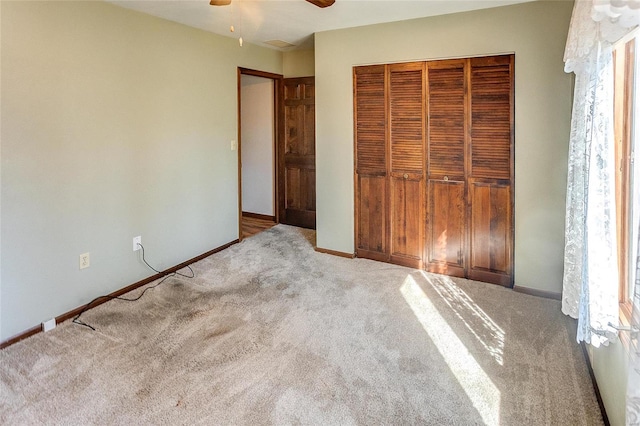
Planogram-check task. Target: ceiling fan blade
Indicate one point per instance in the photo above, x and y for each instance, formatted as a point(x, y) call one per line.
point(220, 2)
point(322, 3)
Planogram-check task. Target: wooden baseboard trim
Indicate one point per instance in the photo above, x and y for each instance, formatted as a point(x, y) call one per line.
point(259, 216)
point(585, 352)
point(21, 336)
point(71, 314)
point(335, 253)
point(539, 293)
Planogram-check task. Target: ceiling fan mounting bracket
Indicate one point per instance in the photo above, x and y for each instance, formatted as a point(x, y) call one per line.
point(319, 3)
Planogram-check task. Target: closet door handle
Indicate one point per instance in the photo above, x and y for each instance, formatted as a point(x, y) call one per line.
point(406, 176)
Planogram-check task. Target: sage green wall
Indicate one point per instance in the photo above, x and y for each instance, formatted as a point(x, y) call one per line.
point(298, 63)
point(611, 367)
point(114, 124)
point(536, 32)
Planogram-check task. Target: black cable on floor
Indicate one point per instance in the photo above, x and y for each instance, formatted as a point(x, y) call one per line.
point(86, 307)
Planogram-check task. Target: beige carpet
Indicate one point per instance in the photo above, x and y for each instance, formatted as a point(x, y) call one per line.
point(271, 332)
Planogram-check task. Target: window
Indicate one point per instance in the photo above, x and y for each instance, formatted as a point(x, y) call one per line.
point(627, 177)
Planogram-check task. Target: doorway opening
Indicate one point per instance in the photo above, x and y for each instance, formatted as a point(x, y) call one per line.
point(258, 126)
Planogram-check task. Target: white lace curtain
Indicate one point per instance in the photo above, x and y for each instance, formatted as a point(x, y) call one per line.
point(590, 281)
point(590, 264)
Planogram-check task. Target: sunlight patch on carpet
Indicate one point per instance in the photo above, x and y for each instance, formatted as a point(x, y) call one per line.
point(478, 322)
point(479, 388)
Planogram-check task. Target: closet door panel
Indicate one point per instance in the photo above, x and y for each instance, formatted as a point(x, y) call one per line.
point(446, 121)
point(446, 227)
point(490, 177)
point(372, 227)
point(370, 119)
point(491, 117)
point(406, 218)
point(371, 177)
point(491, 231)
point(406, 135)
point(446, 235)
point(406, 116)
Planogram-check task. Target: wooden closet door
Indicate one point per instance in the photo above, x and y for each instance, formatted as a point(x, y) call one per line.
point(491, 170)
point(371, 178)
point(406, 137)
point(434, 166)
point(299, 153)
point(446, 237)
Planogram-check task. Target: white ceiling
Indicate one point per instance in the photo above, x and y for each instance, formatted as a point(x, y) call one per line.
point(295, 21)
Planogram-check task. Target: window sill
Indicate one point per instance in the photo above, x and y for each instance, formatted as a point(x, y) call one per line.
point(625, 321)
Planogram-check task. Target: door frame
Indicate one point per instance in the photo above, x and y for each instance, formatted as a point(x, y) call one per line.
point(277, 136)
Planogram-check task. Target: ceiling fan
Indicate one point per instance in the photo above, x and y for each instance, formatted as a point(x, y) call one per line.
point(319, 3)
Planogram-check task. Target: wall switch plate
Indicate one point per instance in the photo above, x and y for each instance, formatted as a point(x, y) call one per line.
point(234, 145)
point(85, 260)
point(49, 325)
point(136, 241)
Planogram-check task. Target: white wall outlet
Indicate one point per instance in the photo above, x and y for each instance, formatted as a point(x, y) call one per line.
point(137, 241)
point(49, 325)
point(85, 260)
point(234, 145)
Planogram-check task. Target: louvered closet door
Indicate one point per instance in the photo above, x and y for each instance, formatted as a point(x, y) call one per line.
point(372, 208)
point(447, 129)
point(491, 170)
point(406, 136)
point(434, 166)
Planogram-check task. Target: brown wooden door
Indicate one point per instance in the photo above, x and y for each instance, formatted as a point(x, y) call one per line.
point(298, 206)
point(434, 166)
point(389, 162)
point(371, 178)
point(446, 239)
point(406, 146)
point(491, 169)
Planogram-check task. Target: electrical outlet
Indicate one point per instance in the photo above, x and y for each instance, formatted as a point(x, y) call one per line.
point(234, 145)
point(49, 325)
point(85, 260)
point(137, 241)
